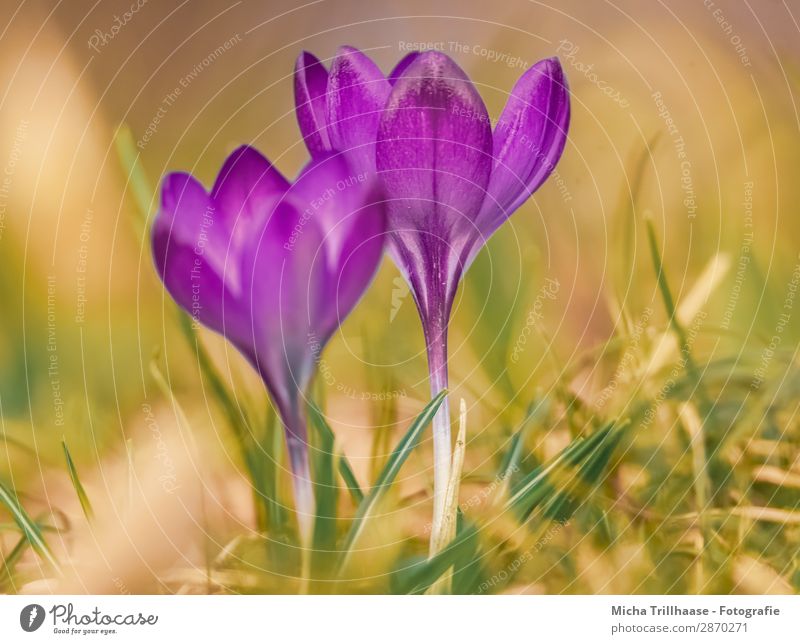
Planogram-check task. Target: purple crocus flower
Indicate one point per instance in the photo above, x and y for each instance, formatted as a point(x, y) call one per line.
point(449, 180)
point(274, 267)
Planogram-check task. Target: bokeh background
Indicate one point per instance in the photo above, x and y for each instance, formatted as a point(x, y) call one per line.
point(684, 113)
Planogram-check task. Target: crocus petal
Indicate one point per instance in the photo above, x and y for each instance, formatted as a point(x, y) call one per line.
point(400, 67)
point(349, 210)
point(285, 278)
point(310, 89)
point(434, 146)
point(331, 189)
point(528, 141)
point(434, 159)
point(246, 189)
point(190, 249)
point(357, 92)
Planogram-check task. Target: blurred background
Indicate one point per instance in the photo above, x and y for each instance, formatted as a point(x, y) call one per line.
point(684, 113)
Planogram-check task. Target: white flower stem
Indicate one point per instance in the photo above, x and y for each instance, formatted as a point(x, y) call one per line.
point(437, 367)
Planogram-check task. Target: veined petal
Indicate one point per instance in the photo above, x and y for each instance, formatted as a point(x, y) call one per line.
point(310, 89)
point(434, 148)
point(528, 141)
point(357, 93)
point(434, 160)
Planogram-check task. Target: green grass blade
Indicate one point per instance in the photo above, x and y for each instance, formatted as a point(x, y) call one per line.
point(345, 470)
point(326, 494)
point(511, 458)
point(210, 374)
point(583, 477)
point(27, 525)
point(459, 555)
point(135, 175)
point(10, 560)
point(389, 473)
point(86, 505)
point(581, 463)
point(677, 327)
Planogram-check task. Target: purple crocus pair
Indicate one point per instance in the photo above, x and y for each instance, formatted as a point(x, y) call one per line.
point(430, 173)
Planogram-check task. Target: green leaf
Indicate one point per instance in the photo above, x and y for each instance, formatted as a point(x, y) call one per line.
point(326, 496)
point(10, 560)
point(680, 333)
point(389, 473)
point(561, 484)
point(27, 525)
point(235, 415)
point(135, 175)
point(345, 470)
point(86, 505)
point(460, 554)
point(511, 458)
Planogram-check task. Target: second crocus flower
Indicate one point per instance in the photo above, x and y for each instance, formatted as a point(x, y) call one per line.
point(275, 267)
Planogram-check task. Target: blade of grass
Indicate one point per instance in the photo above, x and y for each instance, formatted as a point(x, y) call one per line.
point(583, 475)
point(345, 470)
point(326, 496)
point(624, 225)
point(674, 322)
point(27, 525)
point(86, 505)
point(209, 372)
point(135, 176)
point(511, 458)
point(10, 560)
point(388, 475)
point(458, 554)
point(591, 454)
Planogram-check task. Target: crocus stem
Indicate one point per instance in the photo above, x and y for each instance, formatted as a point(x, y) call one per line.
point(303, 492)
point(436, 340)
point(302, 487)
